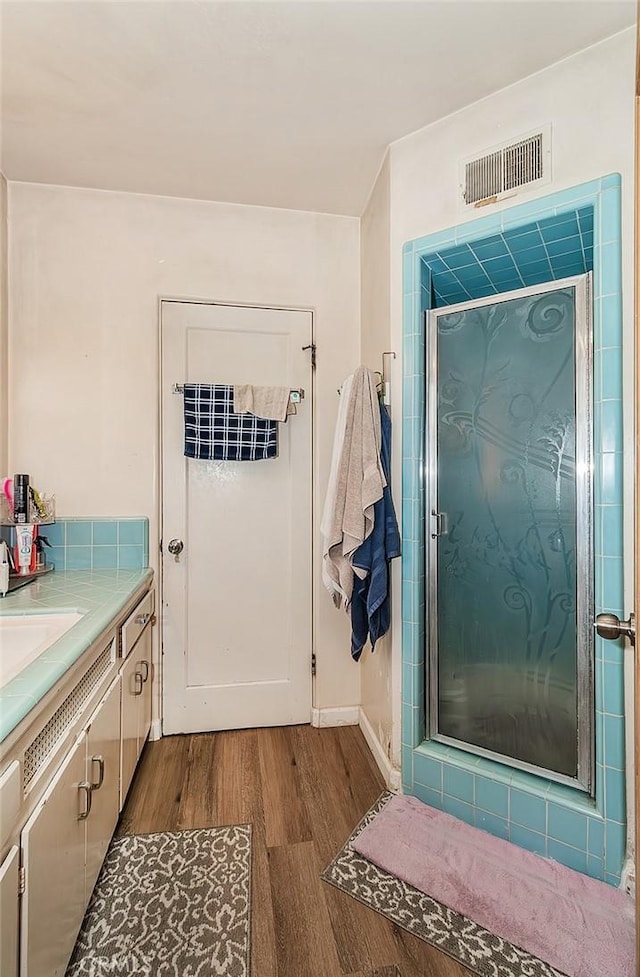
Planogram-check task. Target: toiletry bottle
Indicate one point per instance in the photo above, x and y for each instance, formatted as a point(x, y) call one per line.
point(4, 568)
point(20, 499)
point(25, 558)
point(39, 544)
point(6, 499)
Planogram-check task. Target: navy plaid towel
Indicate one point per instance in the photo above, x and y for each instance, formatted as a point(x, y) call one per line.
point(213, 430)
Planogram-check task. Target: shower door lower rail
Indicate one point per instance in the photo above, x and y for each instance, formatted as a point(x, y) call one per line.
point(479, 751)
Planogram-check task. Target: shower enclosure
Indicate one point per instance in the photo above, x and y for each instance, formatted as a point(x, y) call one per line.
point(509, 540)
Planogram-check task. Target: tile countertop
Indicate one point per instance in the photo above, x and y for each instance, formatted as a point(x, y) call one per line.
point(100, 595)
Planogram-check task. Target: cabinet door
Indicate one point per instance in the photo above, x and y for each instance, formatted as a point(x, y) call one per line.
point(9, 913)
point(142, 653)
point(53, 843)
point(131, 693)
point(10, 801)
point(103, 773)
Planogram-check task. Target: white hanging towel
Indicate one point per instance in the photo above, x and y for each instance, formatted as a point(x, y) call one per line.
point(272, 403)
point(331, 580)
point(356, 482)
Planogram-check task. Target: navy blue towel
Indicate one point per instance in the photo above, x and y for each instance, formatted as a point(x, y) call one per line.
point(213, 430)
point(370, 604)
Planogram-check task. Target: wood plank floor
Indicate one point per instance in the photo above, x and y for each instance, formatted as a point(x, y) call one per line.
point(303, 790)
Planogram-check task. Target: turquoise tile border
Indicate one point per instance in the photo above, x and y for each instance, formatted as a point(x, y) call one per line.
point(587, 834)
point(91, 544)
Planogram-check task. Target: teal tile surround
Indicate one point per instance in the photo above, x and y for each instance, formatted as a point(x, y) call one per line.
point(552, 247)
point(588, 834)
point(85, 544)
point(99, 595)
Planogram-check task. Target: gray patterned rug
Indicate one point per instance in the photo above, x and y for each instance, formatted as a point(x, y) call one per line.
point(482, 952)
point(170, 904)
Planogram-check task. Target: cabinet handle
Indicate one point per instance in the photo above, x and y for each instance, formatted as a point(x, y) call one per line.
point(146, 670)
point(86, 787)
point(142, 619)
point(139, 683)
point(100, 761)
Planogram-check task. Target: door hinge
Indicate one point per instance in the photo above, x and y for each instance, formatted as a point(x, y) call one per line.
point(22, 881)
point(313, 663)
point(312, 347)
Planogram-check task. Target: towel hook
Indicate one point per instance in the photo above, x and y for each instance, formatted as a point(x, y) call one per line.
point(386, 393)
point(384, 364)
point(313, 348)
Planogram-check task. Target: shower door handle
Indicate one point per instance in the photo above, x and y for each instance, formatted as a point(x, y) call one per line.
point(442, 524)
point(611, 627)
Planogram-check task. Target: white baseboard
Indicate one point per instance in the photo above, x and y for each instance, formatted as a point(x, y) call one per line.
point(155, 733)
point(337, 716)
point(392, 776)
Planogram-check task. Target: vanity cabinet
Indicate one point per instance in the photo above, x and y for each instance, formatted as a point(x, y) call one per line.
point(53, 857)
point(66, 838)
point(61, 797)
point(10, 799)
point(137, 676)
point(9, 913)
point(73, 817)
point(131, 694)
point(103, 776)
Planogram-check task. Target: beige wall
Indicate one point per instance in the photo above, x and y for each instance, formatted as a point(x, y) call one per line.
point(375, 298)
point(87, 268)
point(4, 329)
point(589, 101)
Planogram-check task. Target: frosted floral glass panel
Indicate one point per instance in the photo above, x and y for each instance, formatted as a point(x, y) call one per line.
point(506, 569)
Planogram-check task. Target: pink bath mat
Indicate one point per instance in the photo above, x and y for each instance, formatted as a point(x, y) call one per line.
point(581, 927)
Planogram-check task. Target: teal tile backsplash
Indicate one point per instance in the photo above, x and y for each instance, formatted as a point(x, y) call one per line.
point(105, 533)
point(85, 544)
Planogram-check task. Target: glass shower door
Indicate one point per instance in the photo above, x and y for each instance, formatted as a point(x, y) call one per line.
point(510, 564)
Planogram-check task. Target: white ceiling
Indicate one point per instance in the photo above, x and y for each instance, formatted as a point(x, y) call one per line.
point(285, 104)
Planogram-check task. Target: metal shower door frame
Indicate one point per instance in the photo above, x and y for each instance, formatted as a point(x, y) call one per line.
point(583, 366)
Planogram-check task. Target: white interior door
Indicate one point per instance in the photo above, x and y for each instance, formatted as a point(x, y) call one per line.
point(237, 599)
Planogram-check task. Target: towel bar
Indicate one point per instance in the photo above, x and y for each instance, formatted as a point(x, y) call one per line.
point(295, 396)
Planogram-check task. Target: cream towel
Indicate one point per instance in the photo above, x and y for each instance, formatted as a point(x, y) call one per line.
point(271, 403)
point(358, 484)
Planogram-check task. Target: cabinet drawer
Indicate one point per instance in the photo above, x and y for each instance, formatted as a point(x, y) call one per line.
point(136, 622)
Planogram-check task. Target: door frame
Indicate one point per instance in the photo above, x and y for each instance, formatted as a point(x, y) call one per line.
point(309, 396)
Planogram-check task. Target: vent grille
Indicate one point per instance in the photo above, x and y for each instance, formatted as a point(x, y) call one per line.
point(505, 169)
point(49, 738)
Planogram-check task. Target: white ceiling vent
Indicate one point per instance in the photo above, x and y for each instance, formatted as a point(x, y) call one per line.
point(503, 170)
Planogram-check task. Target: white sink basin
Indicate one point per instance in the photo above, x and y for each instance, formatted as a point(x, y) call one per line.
point(23, 637)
